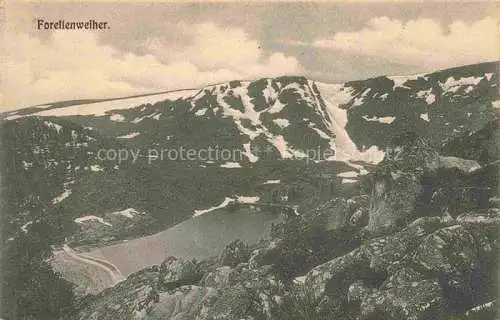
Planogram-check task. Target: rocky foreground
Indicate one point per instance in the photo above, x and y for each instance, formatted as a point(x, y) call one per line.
point(419, 241)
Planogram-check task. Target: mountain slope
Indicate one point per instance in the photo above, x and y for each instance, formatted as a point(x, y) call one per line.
point(378, 181)
point(248, 126)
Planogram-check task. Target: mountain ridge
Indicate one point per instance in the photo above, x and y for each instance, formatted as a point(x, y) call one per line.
point(264, 120)
point(487, 66)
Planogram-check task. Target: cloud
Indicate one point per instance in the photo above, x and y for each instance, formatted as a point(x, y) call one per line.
point(75, 65)
point(422, 42)
point(214, 48)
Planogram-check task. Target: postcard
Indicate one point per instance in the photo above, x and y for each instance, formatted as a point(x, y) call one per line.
point(249, 160)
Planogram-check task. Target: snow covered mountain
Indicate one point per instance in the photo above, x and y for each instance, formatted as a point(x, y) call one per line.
point(291, 115)
point(340, 130)
point(379, 188)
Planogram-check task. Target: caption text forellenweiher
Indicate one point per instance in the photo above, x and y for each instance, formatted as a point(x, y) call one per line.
point(90, 24)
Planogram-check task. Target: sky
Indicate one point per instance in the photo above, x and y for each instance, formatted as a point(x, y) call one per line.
point(153, 47)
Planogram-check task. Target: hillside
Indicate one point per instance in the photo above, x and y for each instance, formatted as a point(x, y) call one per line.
point(386, 188)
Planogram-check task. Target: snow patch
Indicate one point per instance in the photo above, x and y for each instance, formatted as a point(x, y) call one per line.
point(129, 136)
point(430, 99)
point(246, 199)
point(252, 134)
point(201, 112)
point(423, 93)
point(399, 81)
point(300, 280)
point(117, 117)
point(223, 204)
point(230, 165)
point(359, 100)
point(96, 168)
point(27, 165)
point(282, 123)
point(452, 85)
point(320, 132)
point(348, 174)
point(53, 125)
point(66, 193)
point(25, 226)
point(129, 213)
point(92, 218)
point(344, 180)
point(281, 145)
point(138, 119)
point(272, 182)
point(249, 109)
point(276, 107)
point(386, 120)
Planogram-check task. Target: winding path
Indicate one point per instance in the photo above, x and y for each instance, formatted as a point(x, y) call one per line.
point(113, 271)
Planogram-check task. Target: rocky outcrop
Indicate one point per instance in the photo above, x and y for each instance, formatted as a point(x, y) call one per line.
point(175, 272)
point(421, 272)
point(340, 212)
point(433, 268)
point(414, 180)
point(234, 253)
point(396, 183)
point(183, 303)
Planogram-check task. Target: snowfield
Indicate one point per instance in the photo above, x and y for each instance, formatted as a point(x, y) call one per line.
point(451, 85)
point(100, 108)
point(345, 149)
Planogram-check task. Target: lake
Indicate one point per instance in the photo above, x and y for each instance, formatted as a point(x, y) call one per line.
point(199, 237)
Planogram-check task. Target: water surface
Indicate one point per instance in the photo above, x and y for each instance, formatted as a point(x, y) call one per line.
point(199, 237)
